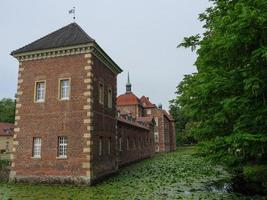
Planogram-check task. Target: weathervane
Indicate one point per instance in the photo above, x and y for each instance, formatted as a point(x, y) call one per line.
point(72, 11)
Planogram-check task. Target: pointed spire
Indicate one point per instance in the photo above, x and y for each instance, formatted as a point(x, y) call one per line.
point(128, 84)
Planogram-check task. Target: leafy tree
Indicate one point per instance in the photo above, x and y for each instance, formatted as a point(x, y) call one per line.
point(7, 110)
point(226, 99)
point(182, 125)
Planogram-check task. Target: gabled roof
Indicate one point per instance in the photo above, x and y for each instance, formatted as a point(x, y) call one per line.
point(128, 98)
point(6, 129)
point(146, 103)
point(69, 35)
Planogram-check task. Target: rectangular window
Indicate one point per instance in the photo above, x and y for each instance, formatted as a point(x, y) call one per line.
point(109, 146)
point(36, 151)
point(157, 148)
point(40, 91)
point(7, 146)
point(100, 147)
point(64, 85)
point(62, 146)
point(110, 98)
point(156, 136)
point(101, 93)
point(134, 143)
point(120, 144)
point(148, 111)
point(128, 145)
point(157, 121)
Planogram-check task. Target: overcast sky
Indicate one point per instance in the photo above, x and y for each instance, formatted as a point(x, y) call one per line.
point(140, 36)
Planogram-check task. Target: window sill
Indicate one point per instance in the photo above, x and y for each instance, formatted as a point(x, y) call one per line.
point(39, 101)
point(67, 99)
point(36, 158)
point(62, 158)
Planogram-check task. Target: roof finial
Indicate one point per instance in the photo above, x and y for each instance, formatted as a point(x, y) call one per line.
point(128, 84)
point(72, 11)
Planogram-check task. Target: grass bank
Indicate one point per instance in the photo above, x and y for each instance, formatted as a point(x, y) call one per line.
point(177, 175)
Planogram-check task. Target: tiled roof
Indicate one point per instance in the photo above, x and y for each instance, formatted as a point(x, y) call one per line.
point(128, 98)
point(6, 129)
point(146, 103)
point(69, 35)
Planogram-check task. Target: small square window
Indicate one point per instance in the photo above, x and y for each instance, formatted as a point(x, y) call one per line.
point(64, 93)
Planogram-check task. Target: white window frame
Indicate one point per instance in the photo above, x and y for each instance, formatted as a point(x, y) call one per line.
point(157, 121)
point(62, 146)
point(110, 99)
point(39, 93)
point(37, 147)
point(64, 88)
point(156, 135)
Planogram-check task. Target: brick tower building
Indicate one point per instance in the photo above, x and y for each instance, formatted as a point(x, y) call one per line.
point(66, 109)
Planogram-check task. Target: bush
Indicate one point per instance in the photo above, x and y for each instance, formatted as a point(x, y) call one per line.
point(236, 149)
point(4, 164)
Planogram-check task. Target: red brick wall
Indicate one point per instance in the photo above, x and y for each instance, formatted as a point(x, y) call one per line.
point(143, 139)
point(135, 110)
point(104, 121)
point(51, 119)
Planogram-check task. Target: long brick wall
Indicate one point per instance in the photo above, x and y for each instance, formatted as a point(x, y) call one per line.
point(135, 141)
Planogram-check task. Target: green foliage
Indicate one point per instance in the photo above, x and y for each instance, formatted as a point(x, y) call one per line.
point(256, 173)
point(4, 164)
point(225, 101)
point(182, 127)
point(236, 149)
point(7, 110)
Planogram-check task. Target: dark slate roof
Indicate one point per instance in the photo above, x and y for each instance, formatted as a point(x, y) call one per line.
point(69, 35)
